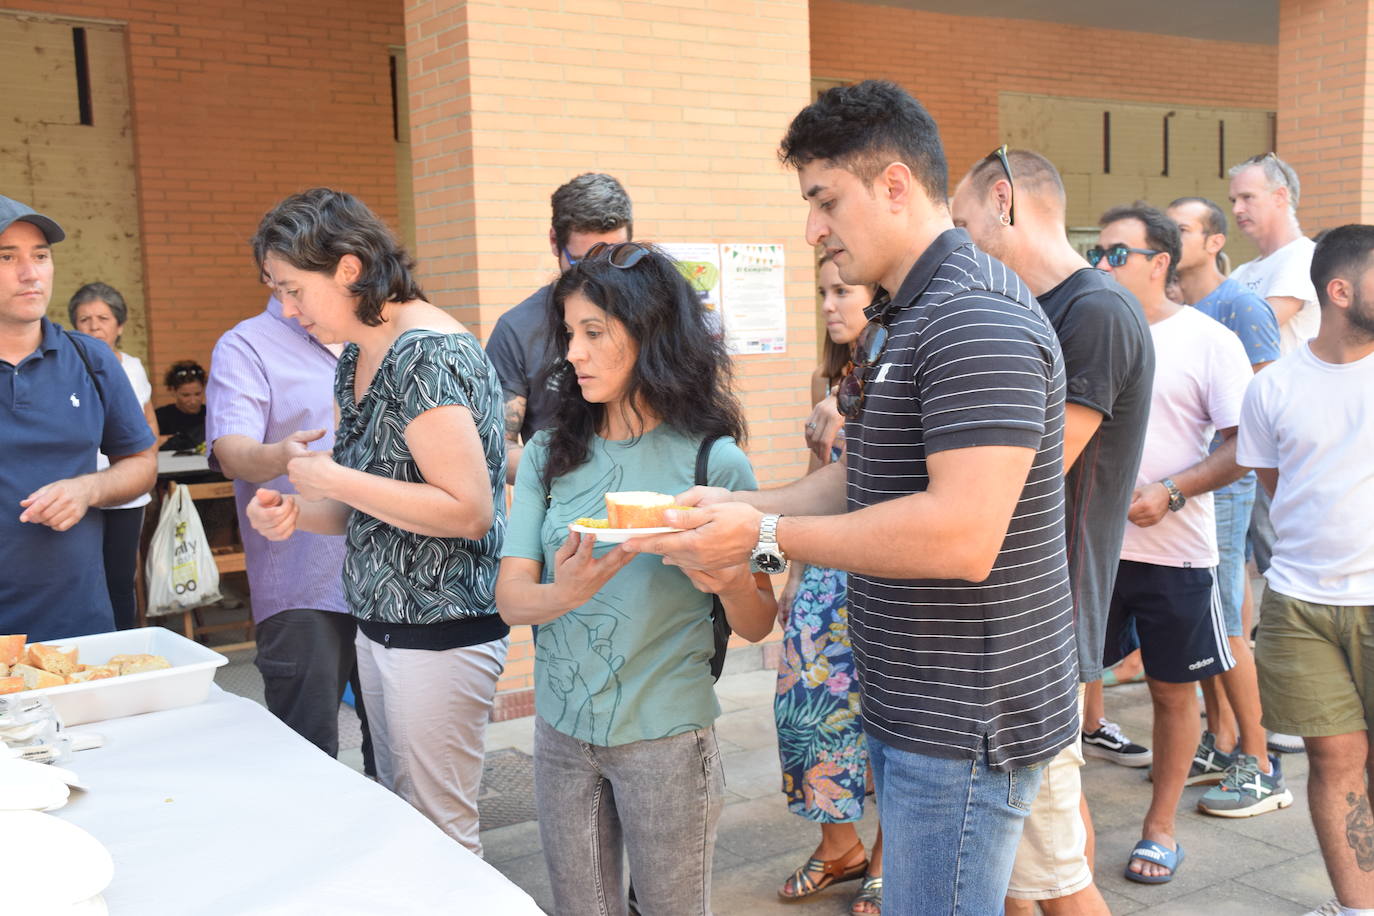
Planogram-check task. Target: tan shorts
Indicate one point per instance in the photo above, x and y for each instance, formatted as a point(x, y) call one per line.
point(1316, 666)
point(1052, 860)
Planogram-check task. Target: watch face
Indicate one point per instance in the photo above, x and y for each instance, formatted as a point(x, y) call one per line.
point(769, 563)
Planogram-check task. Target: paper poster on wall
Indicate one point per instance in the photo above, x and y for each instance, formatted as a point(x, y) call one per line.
point(700, 264)
point(753, 291)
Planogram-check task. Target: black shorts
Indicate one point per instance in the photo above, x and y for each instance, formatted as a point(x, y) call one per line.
point(1174, 615)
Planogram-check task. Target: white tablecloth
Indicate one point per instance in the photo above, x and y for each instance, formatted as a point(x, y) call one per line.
point(220, 809)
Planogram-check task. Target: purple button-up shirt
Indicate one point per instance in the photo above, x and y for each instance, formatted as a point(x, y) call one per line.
point(268, 379)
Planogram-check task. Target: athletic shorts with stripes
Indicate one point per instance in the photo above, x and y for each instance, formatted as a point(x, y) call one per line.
point(1174, 615)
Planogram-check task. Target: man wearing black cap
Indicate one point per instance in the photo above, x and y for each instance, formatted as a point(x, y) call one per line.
point(63, 398)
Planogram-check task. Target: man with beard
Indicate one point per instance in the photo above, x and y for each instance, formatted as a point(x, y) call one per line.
point(1307, 427)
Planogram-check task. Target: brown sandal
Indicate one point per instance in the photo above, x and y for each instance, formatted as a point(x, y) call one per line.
point(832, 871)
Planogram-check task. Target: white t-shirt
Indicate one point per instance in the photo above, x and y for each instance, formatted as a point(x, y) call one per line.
point(1286, 273)
point(1314, 421)
point(143, 390)
point(1201, 371)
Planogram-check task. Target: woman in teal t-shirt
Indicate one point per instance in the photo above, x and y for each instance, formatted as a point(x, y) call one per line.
point(625, 751)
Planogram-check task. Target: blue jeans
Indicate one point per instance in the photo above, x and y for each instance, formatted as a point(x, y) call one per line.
point(950, 830)
point(1233, 504)
point(655, 802)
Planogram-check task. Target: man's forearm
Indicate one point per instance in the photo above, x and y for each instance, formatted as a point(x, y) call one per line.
point(819, 493)
point(241, 458)
point(1213, 472)
point(125, 479)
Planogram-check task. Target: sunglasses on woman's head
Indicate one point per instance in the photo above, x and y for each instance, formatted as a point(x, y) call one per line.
point(850, 396)
point(621, 254)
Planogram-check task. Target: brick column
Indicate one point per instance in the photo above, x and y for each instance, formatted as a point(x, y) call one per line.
point(1326, 107)
point(684, 101)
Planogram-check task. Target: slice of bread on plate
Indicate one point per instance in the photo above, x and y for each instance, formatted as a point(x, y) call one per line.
point(12, 684)
point(637, 509)
point(92, 673)
point(37, 678)
point(61, 662)
point(138, 663)
point(12, 649)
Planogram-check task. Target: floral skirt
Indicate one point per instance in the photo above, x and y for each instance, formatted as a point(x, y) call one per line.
point(820, 733)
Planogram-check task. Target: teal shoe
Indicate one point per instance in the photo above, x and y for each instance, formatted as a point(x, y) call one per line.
point(1246, 791)
point(1209, 764)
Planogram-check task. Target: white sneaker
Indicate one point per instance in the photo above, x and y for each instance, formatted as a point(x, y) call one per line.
point(1331, 907)
point(1285, 744)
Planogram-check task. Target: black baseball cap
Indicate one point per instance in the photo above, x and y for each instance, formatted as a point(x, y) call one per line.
point(12, 211)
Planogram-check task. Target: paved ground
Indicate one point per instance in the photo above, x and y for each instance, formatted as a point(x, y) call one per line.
point(1251, 867)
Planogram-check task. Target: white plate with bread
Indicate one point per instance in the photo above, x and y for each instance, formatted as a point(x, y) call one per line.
point(630, 514)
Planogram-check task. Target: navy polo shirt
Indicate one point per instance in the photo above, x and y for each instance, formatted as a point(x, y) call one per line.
point(53, 420)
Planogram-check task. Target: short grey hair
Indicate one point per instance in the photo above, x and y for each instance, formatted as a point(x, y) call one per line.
point(1277, 174)
point(99, 292)
point(593, 202)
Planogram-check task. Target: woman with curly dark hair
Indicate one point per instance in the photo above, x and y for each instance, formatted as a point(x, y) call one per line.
point(415, 482)
point(625, 751)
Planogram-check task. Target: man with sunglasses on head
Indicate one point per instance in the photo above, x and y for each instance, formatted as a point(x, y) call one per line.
point(947, 510)
point(1264, 195)
point(1165, 595)
point(1013, 205)
point(589, 209)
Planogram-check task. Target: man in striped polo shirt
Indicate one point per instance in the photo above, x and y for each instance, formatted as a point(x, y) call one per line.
point(949, 515)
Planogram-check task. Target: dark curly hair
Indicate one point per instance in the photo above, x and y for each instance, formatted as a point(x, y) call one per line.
point(183, 372)
point(314, 229)
point(864, 127)
point(682, 375)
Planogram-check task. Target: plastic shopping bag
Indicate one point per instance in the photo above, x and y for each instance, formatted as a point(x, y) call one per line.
point(181, 568)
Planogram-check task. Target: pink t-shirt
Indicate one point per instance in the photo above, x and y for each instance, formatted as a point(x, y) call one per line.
point(1201, 372)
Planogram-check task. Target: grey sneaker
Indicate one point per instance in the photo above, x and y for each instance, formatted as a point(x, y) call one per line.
point(1280, 743)
point(1245, 791)
point(1209, 764)
point(1108, 743)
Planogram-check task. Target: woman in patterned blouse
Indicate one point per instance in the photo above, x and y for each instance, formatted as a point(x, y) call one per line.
point(415, 482)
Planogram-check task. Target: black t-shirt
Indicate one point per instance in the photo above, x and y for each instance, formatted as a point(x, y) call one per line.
point(524, 357)
point(1109, 364)
point(186, 429)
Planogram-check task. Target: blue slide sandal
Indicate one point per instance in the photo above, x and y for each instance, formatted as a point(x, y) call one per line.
point(1150, 851)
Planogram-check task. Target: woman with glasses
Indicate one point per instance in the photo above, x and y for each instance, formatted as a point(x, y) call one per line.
point(99, 310)
point(820, 733)
point(182, 422)
point(416, 483)
point(625, 753)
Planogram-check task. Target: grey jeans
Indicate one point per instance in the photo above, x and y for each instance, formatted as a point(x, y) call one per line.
point(658, 800)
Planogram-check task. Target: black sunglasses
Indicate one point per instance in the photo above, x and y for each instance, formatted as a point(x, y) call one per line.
point(1117, 254)
point(849, 398)
point(1000, 154)
point(621, 254)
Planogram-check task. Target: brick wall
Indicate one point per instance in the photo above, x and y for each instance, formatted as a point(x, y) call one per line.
point(235, 105)
point(1326, 89)
point(957, 66)
point(683, 100)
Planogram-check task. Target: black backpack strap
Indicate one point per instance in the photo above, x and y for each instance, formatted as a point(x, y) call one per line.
point(86, 361)
point(704, 460)
point(720, 626)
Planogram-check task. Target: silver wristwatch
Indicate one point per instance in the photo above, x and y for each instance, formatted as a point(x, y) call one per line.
point(1176, 497)
point(767, 557)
